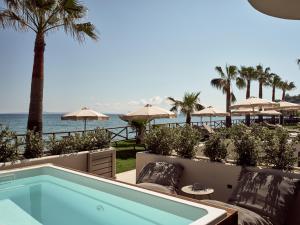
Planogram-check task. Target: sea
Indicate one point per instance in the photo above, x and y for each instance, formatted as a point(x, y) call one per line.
point(52, 122)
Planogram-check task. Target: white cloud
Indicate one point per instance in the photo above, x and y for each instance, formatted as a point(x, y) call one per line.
point(133, 102)
point(156, 100)
point(124, 107)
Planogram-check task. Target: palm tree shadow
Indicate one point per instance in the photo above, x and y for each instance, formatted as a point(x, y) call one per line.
point(259, 192)
point(162, 173)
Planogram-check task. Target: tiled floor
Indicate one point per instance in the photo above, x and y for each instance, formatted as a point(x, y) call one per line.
point(128, 176)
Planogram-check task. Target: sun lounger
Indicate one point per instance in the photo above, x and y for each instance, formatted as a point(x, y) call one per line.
point(271, 126)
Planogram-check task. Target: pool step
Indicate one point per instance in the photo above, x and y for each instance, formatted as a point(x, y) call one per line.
point(11, 188)
point(12, 214)
point(7, 179)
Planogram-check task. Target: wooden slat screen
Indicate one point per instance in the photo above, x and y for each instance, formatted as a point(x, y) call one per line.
point(101, 163)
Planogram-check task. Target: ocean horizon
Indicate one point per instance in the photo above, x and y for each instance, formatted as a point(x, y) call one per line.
point(52, 122)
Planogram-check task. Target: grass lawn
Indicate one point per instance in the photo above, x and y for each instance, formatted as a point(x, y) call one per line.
point(124, 165)
point(126, 151)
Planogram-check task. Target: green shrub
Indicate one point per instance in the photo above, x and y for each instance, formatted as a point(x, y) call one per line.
point(65, 145)
point(279, 150)
point(215, 148)
point(97, 139)
point(100, 139)
point(247, 148)
point(235, 131)
point(8, 146)
point(188, 139)
point(161, 140)
point(34, 145)
point(259, 131)
point(94, 140)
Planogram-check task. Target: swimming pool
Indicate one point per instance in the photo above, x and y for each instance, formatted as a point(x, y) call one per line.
point(51, 195)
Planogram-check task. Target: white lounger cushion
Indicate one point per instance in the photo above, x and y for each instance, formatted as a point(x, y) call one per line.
point(12, 214)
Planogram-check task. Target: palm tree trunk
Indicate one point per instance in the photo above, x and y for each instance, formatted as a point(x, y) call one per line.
point(141, 134)
point(273, 93)
point(35, 120)
point(248, 89)
point(260, 95)
point(247, 117)
point(283, 99)
point(273, 100)
point(260, 91)
point(188, 118)
point(228, 103)
point(283, 95)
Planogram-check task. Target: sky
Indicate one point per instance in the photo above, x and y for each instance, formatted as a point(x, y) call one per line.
point(148, 50)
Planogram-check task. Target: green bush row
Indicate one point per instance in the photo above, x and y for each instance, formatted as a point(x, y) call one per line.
point(254, 145)
point(164, 140)
point(251, 146)
point(11, 149)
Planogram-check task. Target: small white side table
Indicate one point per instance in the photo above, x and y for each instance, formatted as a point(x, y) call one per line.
point(205, 192)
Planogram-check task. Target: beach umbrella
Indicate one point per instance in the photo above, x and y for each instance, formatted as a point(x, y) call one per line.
point(244, 111)
point(285, 106)
point(278, 8)
point(254, 102)
point(210, 111)
point(84, 114)
point(148, 112)
point(269, 113)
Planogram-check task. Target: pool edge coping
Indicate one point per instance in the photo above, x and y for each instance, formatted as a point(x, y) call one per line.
point(216, 214)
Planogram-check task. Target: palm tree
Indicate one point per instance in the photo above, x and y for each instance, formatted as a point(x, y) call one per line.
point(274, 83)
point(247, 74)
point(224, 83)
point(189, 104)
point(286, 86)
point(43, 17)
point(263, 78)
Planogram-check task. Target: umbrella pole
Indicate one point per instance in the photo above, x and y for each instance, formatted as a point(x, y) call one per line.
point(84, 125)
point(210, 121)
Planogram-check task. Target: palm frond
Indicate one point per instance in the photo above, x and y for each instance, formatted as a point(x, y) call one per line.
point(274, 80)
point(9, 18)
point(233, 98)
point(189, 103)
point(219, 70)
point(218, 83)
point(291, 86)
point(81, 30)
point(199, 107)
point(174, 109)
point(232, 71)
point(172, 99)
point(240, 83)
point(42, 16)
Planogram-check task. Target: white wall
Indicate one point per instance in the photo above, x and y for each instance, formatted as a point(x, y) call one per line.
point(218, 176)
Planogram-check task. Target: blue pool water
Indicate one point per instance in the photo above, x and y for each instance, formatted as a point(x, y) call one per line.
point(50, 200)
